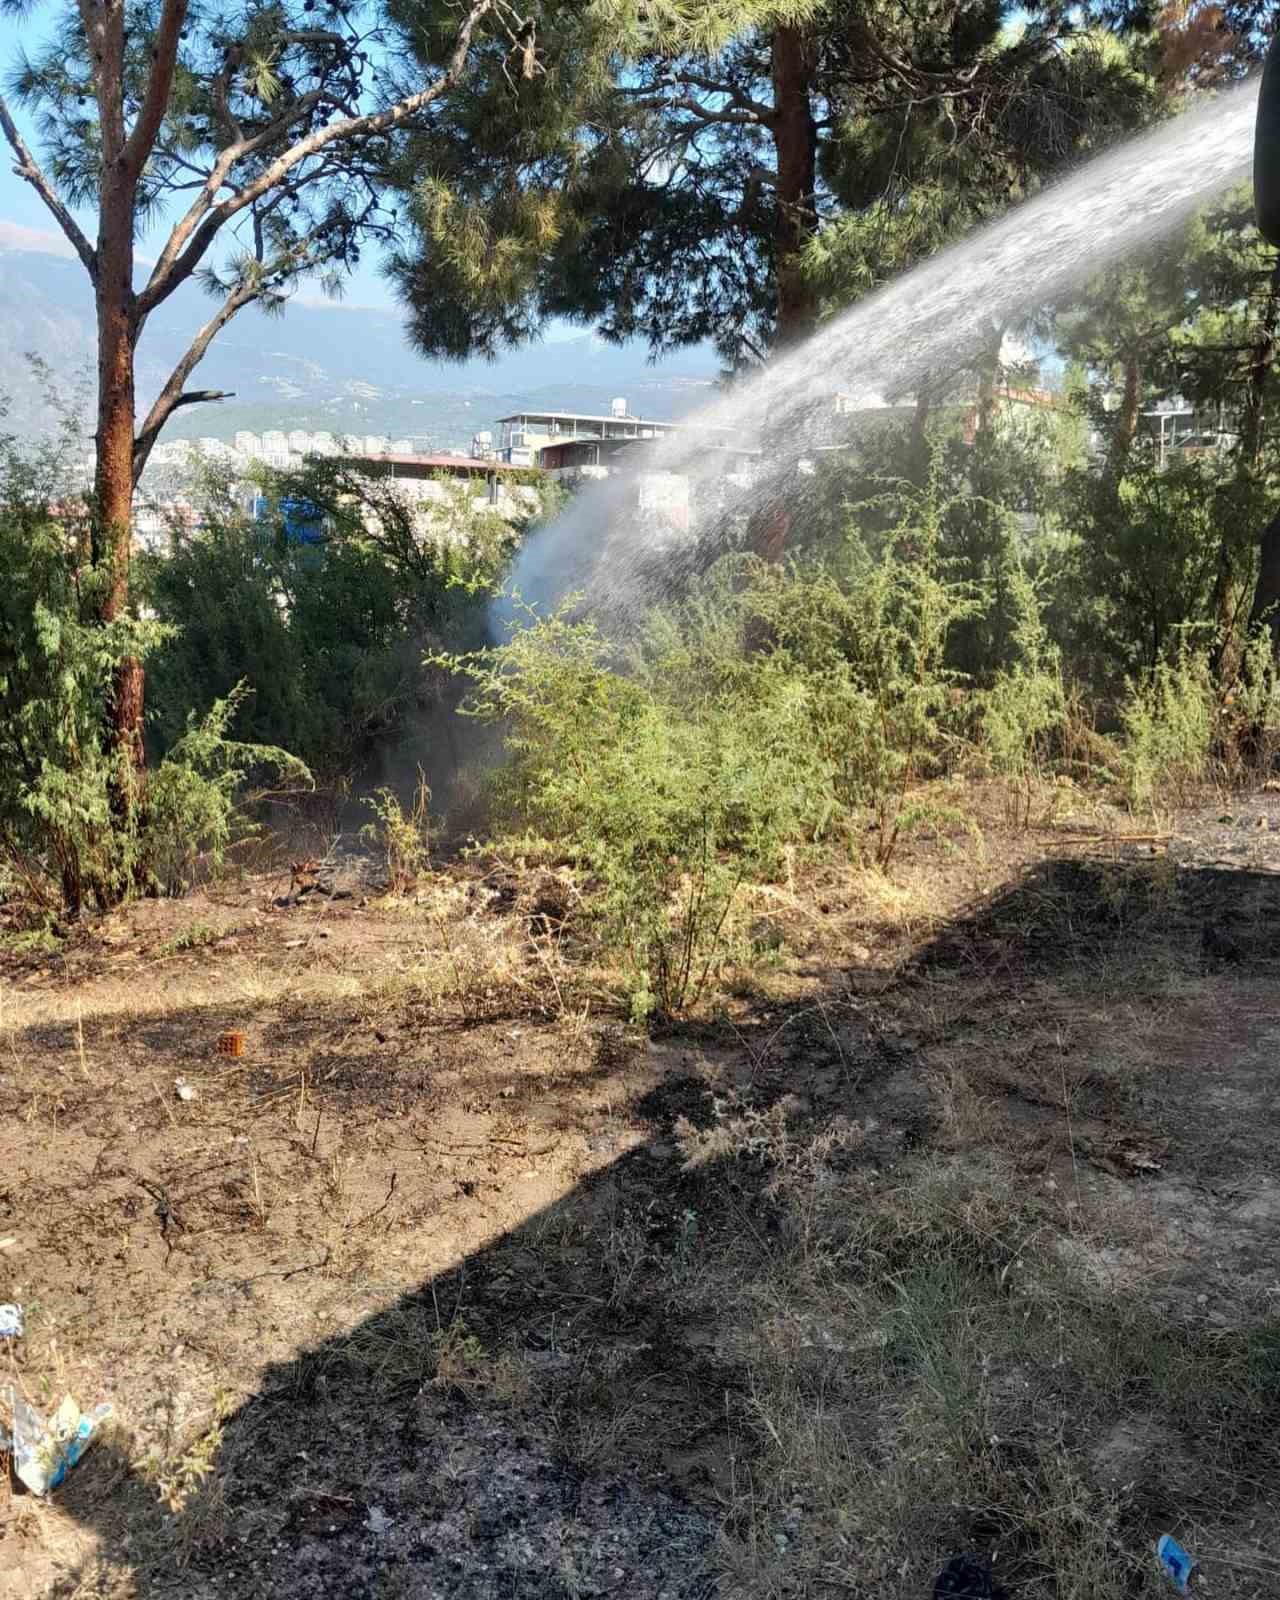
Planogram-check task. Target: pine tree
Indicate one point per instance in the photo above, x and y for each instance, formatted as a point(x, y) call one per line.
point(261, 131)
point(730, 171)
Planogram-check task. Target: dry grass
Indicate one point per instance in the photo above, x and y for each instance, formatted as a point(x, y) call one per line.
point(864, 1257)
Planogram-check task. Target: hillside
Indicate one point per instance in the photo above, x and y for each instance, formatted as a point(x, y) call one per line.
point(328, 366)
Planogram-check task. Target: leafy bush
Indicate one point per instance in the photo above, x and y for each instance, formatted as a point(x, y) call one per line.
point(773, 705)
point(59, 828)
point(862, 654)
point(191, 800)
point(1169, 720)
point(403, 834)
point(1140, 563)
point(1025, 703)
point(64, 836)
point(330, 637)
point(640, 797)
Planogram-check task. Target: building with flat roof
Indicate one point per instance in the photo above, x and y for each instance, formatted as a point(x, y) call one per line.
point(525, 434)
point(425, 478)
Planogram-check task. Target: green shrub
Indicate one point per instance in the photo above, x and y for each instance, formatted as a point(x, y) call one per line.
point(641, 797)
point(191, 805)
point(1025, 703)
point(330, 638)
point(1169, 722)
point(1139, 563)
point(774, 705)
point(60, 832)
point(403, 834)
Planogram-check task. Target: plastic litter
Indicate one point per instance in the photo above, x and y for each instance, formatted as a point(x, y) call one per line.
point(183, 1089)
point(45, 1451)
point(378, 1522)
point(1177, 1563)
point(11, 1324)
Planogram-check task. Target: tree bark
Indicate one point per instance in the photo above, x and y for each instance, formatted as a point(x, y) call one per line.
point(1266, 594)
point(1249, 454)
point(795, 140)
point(919, 447)
point(988, 383)
point(1261, 359)
point(1126, 429)
point(113, 476)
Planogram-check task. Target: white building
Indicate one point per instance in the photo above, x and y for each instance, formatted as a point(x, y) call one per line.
point(525, 434)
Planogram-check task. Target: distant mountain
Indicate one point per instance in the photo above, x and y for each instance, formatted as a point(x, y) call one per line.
point(330, 366)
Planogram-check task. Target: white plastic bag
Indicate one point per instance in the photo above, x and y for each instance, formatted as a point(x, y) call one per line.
point(45, 1451)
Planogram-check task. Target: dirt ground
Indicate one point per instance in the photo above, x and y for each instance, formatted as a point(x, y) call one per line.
point(953, 1223)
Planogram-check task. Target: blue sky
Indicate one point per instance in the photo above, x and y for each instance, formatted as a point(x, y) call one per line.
point(24, 223)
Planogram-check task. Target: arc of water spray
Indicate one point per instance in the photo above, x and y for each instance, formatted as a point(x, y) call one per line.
point(929, 319)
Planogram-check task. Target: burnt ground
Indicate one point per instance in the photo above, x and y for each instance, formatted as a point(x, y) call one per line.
point(954, 1222)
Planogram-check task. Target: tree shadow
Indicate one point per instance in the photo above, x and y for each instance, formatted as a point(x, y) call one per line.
point(560, 1415)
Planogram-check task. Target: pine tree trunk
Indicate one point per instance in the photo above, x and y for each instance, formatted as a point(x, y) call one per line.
point(1252, 423)
point(1126, 429)
point(988, 383)
point(112, 539)
point(1266, 594)
point(795, 139)
point(919, 459)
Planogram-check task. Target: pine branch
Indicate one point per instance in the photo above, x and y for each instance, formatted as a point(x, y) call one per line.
point(737, 97)
point(174, 394)
point(104, 34)
point(142, 140)
point(29, 170)
point(193, 236)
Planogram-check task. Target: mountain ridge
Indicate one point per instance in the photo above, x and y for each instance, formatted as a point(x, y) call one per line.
point(335, 366)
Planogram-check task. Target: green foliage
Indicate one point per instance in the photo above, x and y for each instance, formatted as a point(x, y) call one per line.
point(536, 196)
point(1026, 702)
point(1181, 729)
point(1169, 721)
point(771, 706)
point(1141, 561)
point(191, 795)
point(866, 648)
point(642, 797)
point(78, 825)
point(60, 818)
point(403, 834)
point(199, 936)
point(330, 638)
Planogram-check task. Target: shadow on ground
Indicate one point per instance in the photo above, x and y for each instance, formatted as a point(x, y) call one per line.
point(1024, 1300)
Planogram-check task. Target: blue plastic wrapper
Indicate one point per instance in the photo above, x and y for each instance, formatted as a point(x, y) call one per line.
point(10, 1322)
point(1178, 1565)
point(45, 1451)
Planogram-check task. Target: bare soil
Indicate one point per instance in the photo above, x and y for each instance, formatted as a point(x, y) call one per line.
point(952, 1223)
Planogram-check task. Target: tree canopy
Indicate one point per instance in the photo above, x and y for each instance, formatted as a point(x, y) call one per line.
point(722, 173)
